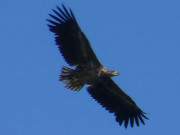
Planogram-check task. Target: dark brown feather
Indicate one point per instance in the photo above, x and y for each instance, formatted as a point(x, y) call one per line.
point(111, 97)
point(71, 41)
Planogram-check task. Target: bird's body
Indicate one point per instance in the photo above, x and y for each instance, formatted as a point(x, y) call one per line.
point(76, 78)
point(86, 69)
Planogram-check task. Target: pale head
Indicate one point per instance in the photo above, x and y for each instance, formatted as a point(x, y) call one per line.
point(106, 72)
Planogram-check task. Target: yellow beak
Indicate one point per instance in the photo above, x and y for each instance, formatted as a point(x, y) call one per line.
point(115, 73)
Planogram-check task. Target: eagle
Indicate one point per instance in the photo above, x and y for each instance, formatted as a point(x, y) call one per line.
point(86, 70)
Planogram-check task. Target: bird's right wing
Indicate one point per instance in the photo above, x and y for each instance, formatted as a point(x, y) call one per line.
point(111, 97)
point(71, 41)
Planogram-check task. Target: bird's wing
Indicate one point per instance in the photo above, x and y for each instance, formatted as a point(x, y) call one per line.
point(111, 97)
point(71, 41)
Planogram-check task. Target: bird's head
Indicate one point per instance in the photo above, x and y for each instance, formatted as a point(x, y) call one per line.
point(114, 73)
point(110, 73)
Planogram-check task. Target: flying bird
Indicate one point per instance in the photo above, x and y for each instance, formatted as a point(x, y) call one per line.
point(85, 69)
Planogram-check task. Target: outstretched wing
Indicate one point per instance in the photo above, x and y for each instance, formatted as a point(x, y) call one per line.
point(111, 97)
point(70, 40)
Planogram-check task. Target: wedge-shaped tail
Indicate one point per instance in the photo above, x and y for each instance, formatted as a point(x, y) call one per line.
point(71, 78)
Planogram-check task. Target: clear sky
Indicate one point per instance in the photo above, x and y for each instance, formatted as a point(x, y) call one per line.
point(139, 38)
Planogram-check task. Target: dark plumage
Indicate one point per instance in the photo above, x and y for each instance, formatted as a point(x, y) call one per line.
point(70, 40)
point(111, 97)
point(86, 69)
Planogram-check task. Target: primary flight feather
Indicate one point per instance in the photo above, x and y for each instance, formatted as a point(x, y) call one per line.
point(87, 69)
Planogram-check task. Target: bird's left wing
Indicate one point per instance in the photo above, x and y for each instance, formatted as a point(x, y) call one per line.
point(113, 99)
point(71, 41)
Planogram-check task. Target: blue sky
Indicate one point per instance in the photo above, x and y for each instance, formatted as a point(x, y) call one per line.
point(138, 38)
